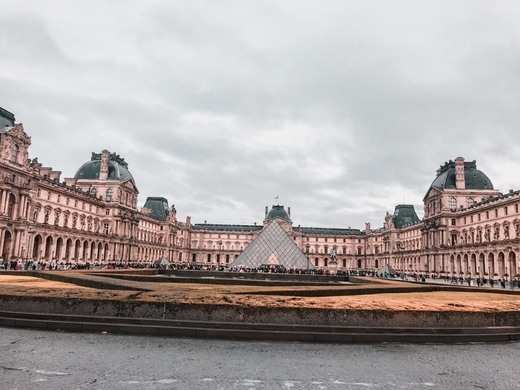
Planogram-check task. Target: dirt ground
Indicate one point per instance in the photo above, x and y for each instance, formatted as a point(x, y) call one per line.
point(248, 295)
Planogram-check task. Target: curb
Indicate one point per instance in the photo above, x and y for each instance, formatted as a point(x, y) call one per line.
point(256, 331)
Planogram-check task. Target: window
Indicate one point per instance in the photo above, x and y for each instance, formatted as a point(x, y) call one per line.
point(505, 210)
point(471, 201)
point(14, 153)
point(93, 191)
point(453, 204)
point(453, 238)
point(453, 221)
point(107, 211)
point(110, 192)
point(106, 228)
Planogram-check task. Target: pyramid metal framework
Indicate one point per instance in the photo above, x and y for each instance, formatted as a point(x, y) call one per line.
point(272, 247)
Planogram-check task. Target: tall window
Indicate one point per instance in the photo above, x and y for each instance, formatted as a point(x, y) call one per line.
point(453, 204)
point(10, 206)
point(14, 153)
point(110, 192)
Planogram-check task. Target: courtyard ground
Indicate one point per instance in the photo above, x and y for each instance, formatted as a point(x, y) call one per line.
point(461, 300)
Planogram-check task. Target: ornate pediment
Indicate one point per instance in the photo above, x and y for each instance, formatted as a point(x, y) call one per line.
point(18, 133)
point(130, 184)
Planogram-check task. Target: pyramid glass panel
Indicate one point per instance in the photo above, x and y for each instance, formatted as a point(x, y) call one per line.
point(272, 248)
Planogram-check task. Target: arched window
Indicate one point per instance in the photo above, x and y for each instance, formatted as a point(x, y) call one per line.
point(14, 153)
point(453, 204)
point(471, 201)
point(10, 206)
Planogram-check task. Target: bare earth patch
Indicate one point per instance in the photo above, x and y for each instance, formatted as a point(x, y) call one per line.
point(249, 296)
point(29, 281)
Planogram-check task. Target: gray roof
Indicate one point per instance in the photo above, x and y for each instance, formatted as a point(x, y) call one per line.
point(6, 118)
point(231, 228)
point(117, 169)
point(328, 231)
point(278, 212)
point(475, 179)
point(404, 214)
point(158, 206)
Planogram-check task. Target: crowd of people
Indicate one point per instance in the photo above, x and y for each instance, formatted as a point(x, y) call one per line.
point(462, 280)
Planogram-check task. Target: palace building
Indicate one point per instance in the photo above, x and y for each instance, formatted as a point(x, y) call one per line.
point(468, 228)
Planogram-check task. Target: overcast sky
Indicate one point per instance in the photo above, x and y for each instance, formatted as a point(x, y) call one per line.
point(343, 109)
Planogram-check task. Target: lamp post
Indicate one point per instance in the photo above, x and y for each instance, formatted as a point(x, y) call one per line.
point(218, 254)
point(307, 246)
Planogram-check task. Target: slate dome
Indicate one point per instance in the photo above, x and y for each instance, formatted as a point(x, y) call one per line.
point(278, 212)
point(475, 179)
point(117, 169)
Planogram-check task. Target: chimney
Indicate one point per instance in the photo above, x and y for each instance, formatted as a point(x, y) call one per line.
point(266, 211)
point(460, 182)
point(103, 169)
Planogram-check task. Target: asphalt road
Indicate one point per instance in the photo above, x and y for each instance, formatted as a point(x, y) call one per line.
point(56, 360)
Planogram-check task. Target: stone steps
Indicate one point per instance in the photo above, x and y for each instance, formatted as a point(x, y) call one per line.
point(256, 331)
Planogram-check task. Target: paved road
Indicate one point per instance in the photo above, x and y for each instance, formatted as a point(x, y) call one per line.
point(56, 360)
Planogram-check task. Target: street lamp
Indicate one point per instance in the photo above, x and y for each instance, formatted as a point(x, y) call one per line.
point(218, 254)
point(307, 246)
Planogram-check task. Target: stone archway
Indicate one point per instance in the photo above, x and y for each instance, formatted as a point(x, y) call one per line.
point(501, 264)
point(472, 268)
point(48, 254)
point(59, 249)
point(514, 271)
point(6, 251)
point(68, 249)
point(481, 265)
point(37, 248)
point(77, 247)
point(491, 265)
point(465, 264)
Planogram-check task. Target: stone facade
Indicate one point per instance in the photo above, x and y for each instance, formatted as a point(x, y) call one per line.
point(468, 227)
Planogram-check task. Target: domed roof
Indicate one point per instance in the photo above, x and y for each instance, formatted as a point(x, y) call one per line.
point(278, 212)
point(117, 169)
point(474, 179)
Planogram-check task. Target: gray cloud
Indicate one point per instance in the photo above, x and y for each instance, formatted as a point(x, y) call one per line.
point(343, 109)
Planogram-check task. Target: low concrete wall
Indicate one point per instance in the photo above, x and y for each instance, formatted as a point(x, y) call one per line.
point(253, 314)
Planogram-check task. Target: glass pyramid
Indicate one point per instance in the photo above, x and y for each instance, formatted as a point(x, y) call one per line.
point(273, 248)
